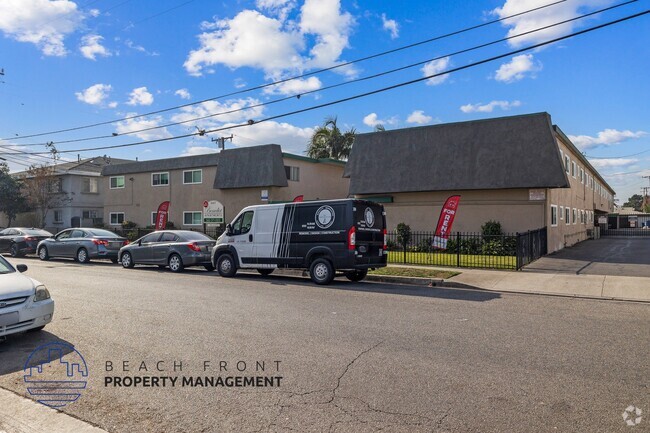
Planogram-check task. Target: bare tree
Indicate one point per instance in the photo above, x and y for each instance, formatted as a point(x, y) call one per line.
point(43, 190)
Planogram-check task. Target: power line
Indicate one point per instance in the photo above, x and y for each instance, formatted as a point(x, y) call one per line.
point(345, 83)
point(617, 157)
point(373, 92)
point(274, 83)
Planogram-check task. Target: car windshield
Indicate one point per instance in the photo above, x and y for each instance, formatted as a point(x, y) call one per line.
point(37, 232)
point(103, 233)
point(5, 267)
point(196, 236)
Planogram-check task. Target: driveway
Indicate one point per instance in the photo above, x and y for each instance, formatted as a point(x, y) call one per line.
point(628, 257)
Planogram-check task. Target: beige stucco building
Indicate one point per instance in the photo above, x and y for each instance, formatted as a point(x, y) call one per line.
point(235, 177)
point(521, 171)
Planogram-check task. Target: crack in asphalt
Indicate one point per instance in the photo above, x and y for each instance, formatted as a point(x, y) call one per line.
point(347, 367)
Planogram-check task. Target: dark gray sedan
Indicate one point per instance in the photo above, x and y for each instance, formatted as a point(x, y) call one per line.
point(82, 244)
point(19, 241)
point(177, 249)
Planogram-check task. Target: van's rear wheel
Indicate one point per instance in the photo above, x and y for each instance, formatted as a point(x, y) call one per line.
point(356, 275)
point(226, 266)
point(265, 272)
point(321, 271)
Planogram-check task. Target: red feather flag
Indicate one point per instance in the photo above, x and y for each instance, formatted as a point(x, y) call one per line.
point(299, 199)
point(161, 216)
point(446, 219)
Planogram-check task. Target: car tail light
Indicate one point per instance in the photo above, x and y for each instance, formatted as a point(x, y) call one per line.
point(126, 242)
point(100, 242)
point(30, 238)
point(352, 238)
point(385, 247)
point(194, 247)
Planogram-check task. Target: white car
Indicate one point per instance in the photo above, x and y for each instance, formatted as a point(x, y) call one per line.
point(25, 304)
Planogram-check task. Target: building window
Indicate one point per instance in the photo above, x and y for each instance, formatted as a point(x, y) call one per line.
point(90, 185)
point(567, 163)
point(567, 216)
point(192, 218)
point(58, 216)
point(193, 176)
point(582, 175)
point(159, 179)
point(553, 215)
point(573, 169)
point(575, 216)
point(116, 218)
point(153, 218)
point(561, 212)
point(89, 214)
point(582, 217)
point(117, 182)
point(293, 173)
point(55, 185)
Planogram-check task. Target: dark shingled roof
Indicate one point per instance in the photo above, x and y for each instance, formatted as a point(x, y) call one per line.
point(249, 167)
point(506, 152)
point(177, 163)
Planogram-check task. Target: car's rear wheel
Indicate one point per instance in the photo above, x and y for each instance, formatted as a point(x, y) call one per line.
point(43, 254)
point(265, 271)
point(14, 251)
point(82, 255)
point(176, 263)
point(127, 260)
point(321, 271)
point(356, 275)
point(226, 266)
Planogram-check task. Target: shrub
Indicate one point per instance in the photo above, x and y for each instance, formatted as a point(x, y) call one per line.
point(170, 225)
point(127, 225)
point(491, 228)
point(392, 245)
point(403, 234)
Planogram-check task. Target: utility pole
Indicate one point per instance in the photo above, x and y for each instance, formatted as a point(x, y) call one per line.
point(222, 141)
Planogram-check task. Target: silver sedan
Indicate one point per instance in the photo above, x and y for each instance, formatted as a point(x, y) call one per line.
point(177, 249)
point(82, 244)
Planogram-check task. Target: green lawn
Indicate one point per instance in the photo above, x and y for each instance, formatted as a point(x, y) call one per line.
point(444, 259)
point(404, 271)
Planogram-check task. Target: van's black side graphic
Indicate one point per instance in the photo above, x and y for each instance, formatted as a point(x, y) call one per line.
point(288, 215)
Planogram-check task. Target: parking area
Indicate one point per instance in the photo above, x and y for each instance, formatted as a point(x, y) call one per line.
point(620, 256)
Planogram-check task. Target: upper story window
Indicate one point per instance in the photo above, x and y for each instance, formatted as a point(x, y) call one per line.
point(573, 168)
point(293, 173)
point(117, 182)
point(567, 163)
point(90, 185)
point(159, 179)
point(193, 176)
point(553, 215)
point(55, 185)
point(582, 175)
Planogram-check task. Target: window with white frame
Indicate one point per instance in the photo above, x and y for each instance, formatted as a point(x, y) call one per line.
point(153, 218)
point(575, 216)
point(116, 218)
point(293, 173)
point(561, 212)
point(567, 215)
point(192, 176)
point(582, 217)
point(582, 175)
point(89, 214)
point(553, 215)
point(159, 179)
point(192, 218)
point(567, 163)
point(117, 182)
point(58, 216)
point(90, 185)
point(573, 169)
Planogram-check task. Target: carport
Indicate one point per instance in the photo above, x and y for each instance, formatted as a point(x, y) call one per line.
point(616, 256)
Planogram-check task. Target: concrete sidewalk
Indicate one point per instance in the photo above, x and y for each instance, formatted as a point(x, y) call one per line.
point(563, 284)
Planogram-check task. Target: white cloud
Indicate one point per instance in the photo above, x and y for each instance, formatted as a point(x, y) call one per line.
point(91, 47)
point(489, 107)
point(294, 87)
point(606, 137)
point(391, 26)
point(183, 93)
point(518, 68)
point(235, 110)
point(130, 44)
point(112, 104)
point(140, 96)
point(435, 67)
point(94, 95)
point(43, 23)
point(275, 44)
point(192, 150)
point(130, 125)
point(541, 18)
point(372, 120)
point(240, 83)
point(612, 162)
point(419, 117)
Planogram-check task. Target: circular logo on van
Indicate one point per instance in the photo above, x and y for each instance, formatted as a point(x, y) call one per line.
point(325, 217)
point(369, 215)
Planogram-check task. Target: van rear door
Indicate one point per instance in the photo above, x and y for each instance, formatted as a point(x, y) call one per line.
point(369, 222)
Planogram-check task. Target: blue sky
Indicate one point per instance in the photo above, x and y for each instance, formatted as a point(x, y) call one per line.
point(74, 63)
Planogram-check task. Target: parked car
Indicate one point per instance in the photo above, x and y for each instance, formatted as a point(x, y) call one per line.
point(19, 241)
point(82, 244)
point(322, 236)
point(25, 304)
point(177, 249)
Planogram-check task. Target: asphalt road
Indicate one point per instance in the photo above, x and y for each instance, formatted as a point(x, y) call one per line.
point(354, 357)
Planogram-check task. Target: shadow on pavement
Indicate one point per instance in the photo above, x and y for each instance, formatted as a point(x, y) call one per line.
point(372, 287)
point(15, 351)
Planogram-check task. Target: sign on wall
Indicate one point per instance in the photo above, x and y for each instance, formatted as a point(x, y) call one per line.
point(213, 212)
point(536, 194)
point(265, 195)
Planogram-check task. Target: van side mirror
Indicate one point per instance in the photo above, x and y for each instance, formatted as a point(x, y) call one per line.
point(228, 230)
point(21, 268)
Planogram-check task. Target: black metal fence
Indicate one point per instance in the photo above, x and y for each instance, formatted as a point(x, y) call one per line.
point(645, 231)
point(468, 250)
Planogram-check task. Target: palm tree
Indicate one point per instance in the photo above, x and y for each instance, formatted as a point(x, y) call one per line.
point(329, 142)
